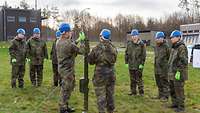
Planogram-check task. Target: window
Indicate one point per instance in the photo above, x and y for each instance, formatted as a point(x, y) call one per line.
point(184, 31)
point(22, 19)
point(196, 31)
point(190, 31)
point(10, 19)
point(33, 20)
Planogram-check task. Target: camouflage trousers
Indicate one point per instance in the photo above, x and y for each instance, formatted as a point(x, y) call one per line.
point(177, 93)
point(56, 75)
point(67, 86)
point(136, 81)
point(104, 90)
point(163, 85)
point(36, 74)
point(17, 73)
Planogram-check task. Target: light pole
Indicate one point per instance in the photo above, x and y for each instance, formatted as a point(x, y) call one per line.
point(85, 80)
point(81, 18)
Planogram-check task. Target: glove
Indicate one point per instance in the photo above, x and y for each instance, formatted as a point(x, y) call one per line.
point(14, 60)
point(46, 60)
point(126, 65)
point(178, 75)
point(81, 37)
point(141, 66)
point(28, 60)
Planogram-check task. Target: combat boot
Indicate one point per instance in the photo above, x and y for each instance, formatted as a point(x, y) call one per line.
point(70, 109)
point(141, 92)
point(63, 110)
point(163, 99)
point(132, 94)
point(179, 110)
point(13, 84)
point(173, 106)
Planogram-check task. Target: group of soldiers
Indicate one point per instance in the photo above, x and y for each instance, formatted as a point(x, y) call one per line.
point(170, 65)
point(33, 51)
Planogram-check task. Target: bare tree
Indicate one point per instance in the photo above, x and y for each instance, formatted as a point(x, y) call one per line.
point(24, 4)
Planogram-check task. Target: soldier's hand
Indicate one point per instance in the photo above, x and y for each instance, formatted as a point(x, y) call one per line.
point(141, 66)
point(46, 60)
point(14, 60)
point(178, 75)
point(126, 65)
point(28, 60)
point(81, 37)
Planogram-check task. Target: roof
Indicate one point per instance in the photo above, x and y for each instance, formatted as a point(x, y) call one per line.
point(142, 31)
point(19, 9)
point(196, 24)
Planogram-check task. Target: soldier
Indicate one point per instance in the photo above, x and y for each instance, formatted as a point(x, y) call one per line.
point(17, 52)
point(162, 53)
point(178, 71)
point(56, 76)
point(37, 52)
point(66, 53)
point(135, 56)
point(104, 56)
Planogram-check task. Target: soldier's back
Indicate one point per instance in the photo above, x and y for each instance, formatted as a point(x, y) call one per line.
point(65, 56)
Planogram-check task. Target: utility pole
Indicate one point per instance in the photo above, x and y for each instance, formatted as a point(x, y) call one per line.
point(35, 4)
point(85, 80)
point(196, 8)
point(184, 4)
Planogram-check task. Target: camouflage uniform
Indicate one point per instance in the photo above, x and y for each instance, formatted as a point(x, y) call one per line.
point(66, 53)
point(17, 51)
point(37, 52)
point(56, 76)
point(162, 52)
point(104, 57)
point(178, 61)
point(135, 55)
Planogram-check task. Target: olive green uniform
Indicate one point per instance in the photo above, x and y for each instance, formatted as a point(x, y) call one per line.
point(56, 76)
point(162, 53)
point(37, 52)
point(178, 61)
point(66, 53)
point(135, 56)
point(17, 51)
point(104, 56)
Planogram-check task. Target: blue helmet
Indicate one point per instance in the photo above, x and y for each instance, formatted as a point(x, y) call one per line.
point(105, 33)
point(58, 34)
point(36, 31)
point(176, 33)
point(160, 35)
point(21, 31)
point(64, 27)
point(134, 32)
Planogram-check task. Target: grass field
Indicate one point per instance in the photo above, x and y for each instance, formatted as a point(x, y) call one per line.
point(45, 99)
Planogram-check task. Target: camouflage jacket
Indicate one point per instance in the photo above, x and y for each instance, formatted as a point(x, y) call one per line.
point(17, 51)
point(135, 54)
point(162, 53)
point(104, 56)
point(36, 51)
point(53, 54)
point(66, 52)
point(178, 61)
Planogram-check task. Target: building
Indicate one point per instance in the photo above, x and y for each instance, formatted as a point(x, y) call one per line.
point(13, 18)
point(191, 33)
point(147, 36)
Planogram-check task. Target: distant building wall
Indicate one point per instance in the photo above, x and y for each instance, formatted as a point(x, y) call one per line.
point(1, 25)
point(13, 18)
point(191, 33)
point(145, 35)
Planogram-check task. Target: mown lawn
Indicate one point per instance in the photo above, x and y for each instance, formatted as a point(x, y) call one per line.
point(45, 99)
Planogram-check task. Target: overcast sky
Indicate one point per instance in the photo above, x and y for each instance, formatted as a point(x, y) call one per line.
point(110, 8)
